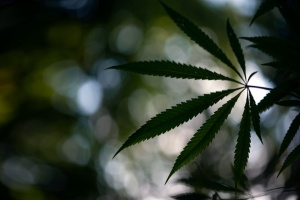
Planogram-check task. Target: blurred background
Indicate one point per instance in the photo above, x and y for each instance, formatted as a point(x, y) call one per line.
point(63, 116)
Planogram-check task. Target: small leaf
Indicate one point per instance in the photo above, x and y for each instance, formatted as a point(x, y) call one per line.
point(191, 196)
point(198, 36)
point(173, 117)
point(291, 158)
point(171, 69)
point(289, 103)
point(275, 47)
point(264, 7)
point(236, 47)
point(251, 76)
point(255, 117)
point(243, 144)
point(274, 96)
point(202, 182)
point(203, 136)
point(290, 134)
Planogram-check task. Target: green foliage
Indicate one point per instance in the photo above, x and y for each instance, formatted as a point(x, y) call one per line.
point(273, 96)
point(243, 144)
point(255, 116)
point(203, 136)
point(289, 103)
point(274, 47)
point(282, 50)
point(236, 47)
point(197, 35)
point(264, 7)
point(172, 69)
point(174, 116)
point(290, 134)
point(286, 65)
point(291, 158)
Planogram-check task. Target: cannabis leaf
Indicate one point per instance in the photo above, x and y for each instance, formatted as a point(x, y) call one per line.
point(291, 158)
point(255, 116)
point(197, 35)
point(243, 144)
point(264, 7)
point(290, 134)
point(203, 136)
point(289, 103)
point(274, 47)
point(171, 69)
point(236, 47)
point(274, 96)
point(288, 65)
point(174, 116)
point(185, 111)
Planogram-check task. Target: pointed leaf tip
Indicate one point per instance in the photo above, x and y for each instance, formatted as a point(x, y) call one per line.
point(200, 37)
point(291, 158)
point(243, 144)
point(204, 136)
point(236, 47)
point(255, 117)
point(265, 7)
point(171, 69)
point(292, 131)
point(174, 116)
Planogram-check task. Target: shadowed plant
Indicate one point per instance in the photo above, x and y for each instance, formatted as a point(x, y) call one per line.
point(283, 51)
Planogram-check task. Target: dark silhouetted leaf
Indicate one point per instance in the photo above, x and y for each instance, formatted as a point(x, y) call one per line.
point(284, 65)
point(197, 35)
point(289, 103)
point(202, 182)
point(291, 158)
point(279, 49)
point(290, 134)
point(274, 96)
point(191, 196)
point(251, 76)
point(243, 144)
point(173, 117)
point(264, 7)
point(255, 117)
point(236, 47)
point(171, 69)
point(204, 135)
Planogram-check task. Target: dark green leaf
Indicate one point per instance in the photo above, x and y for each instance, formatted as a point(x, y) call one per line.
point(202, 182)
point(236, 47)
point(173, 117)
point(291, 158)
point(191, 196)
point(255, 117)
point(197, 35)
point(290, 134)
point(275, 47)
point(243, 144)
point(171, 69)
point(264, 7)
point(274, 96)
point(204, 135)
point(284, 65)
point(289, 103)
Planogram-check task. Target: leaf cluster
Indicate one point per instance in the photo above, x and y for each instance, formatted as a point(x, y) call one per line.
point(185, 111)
